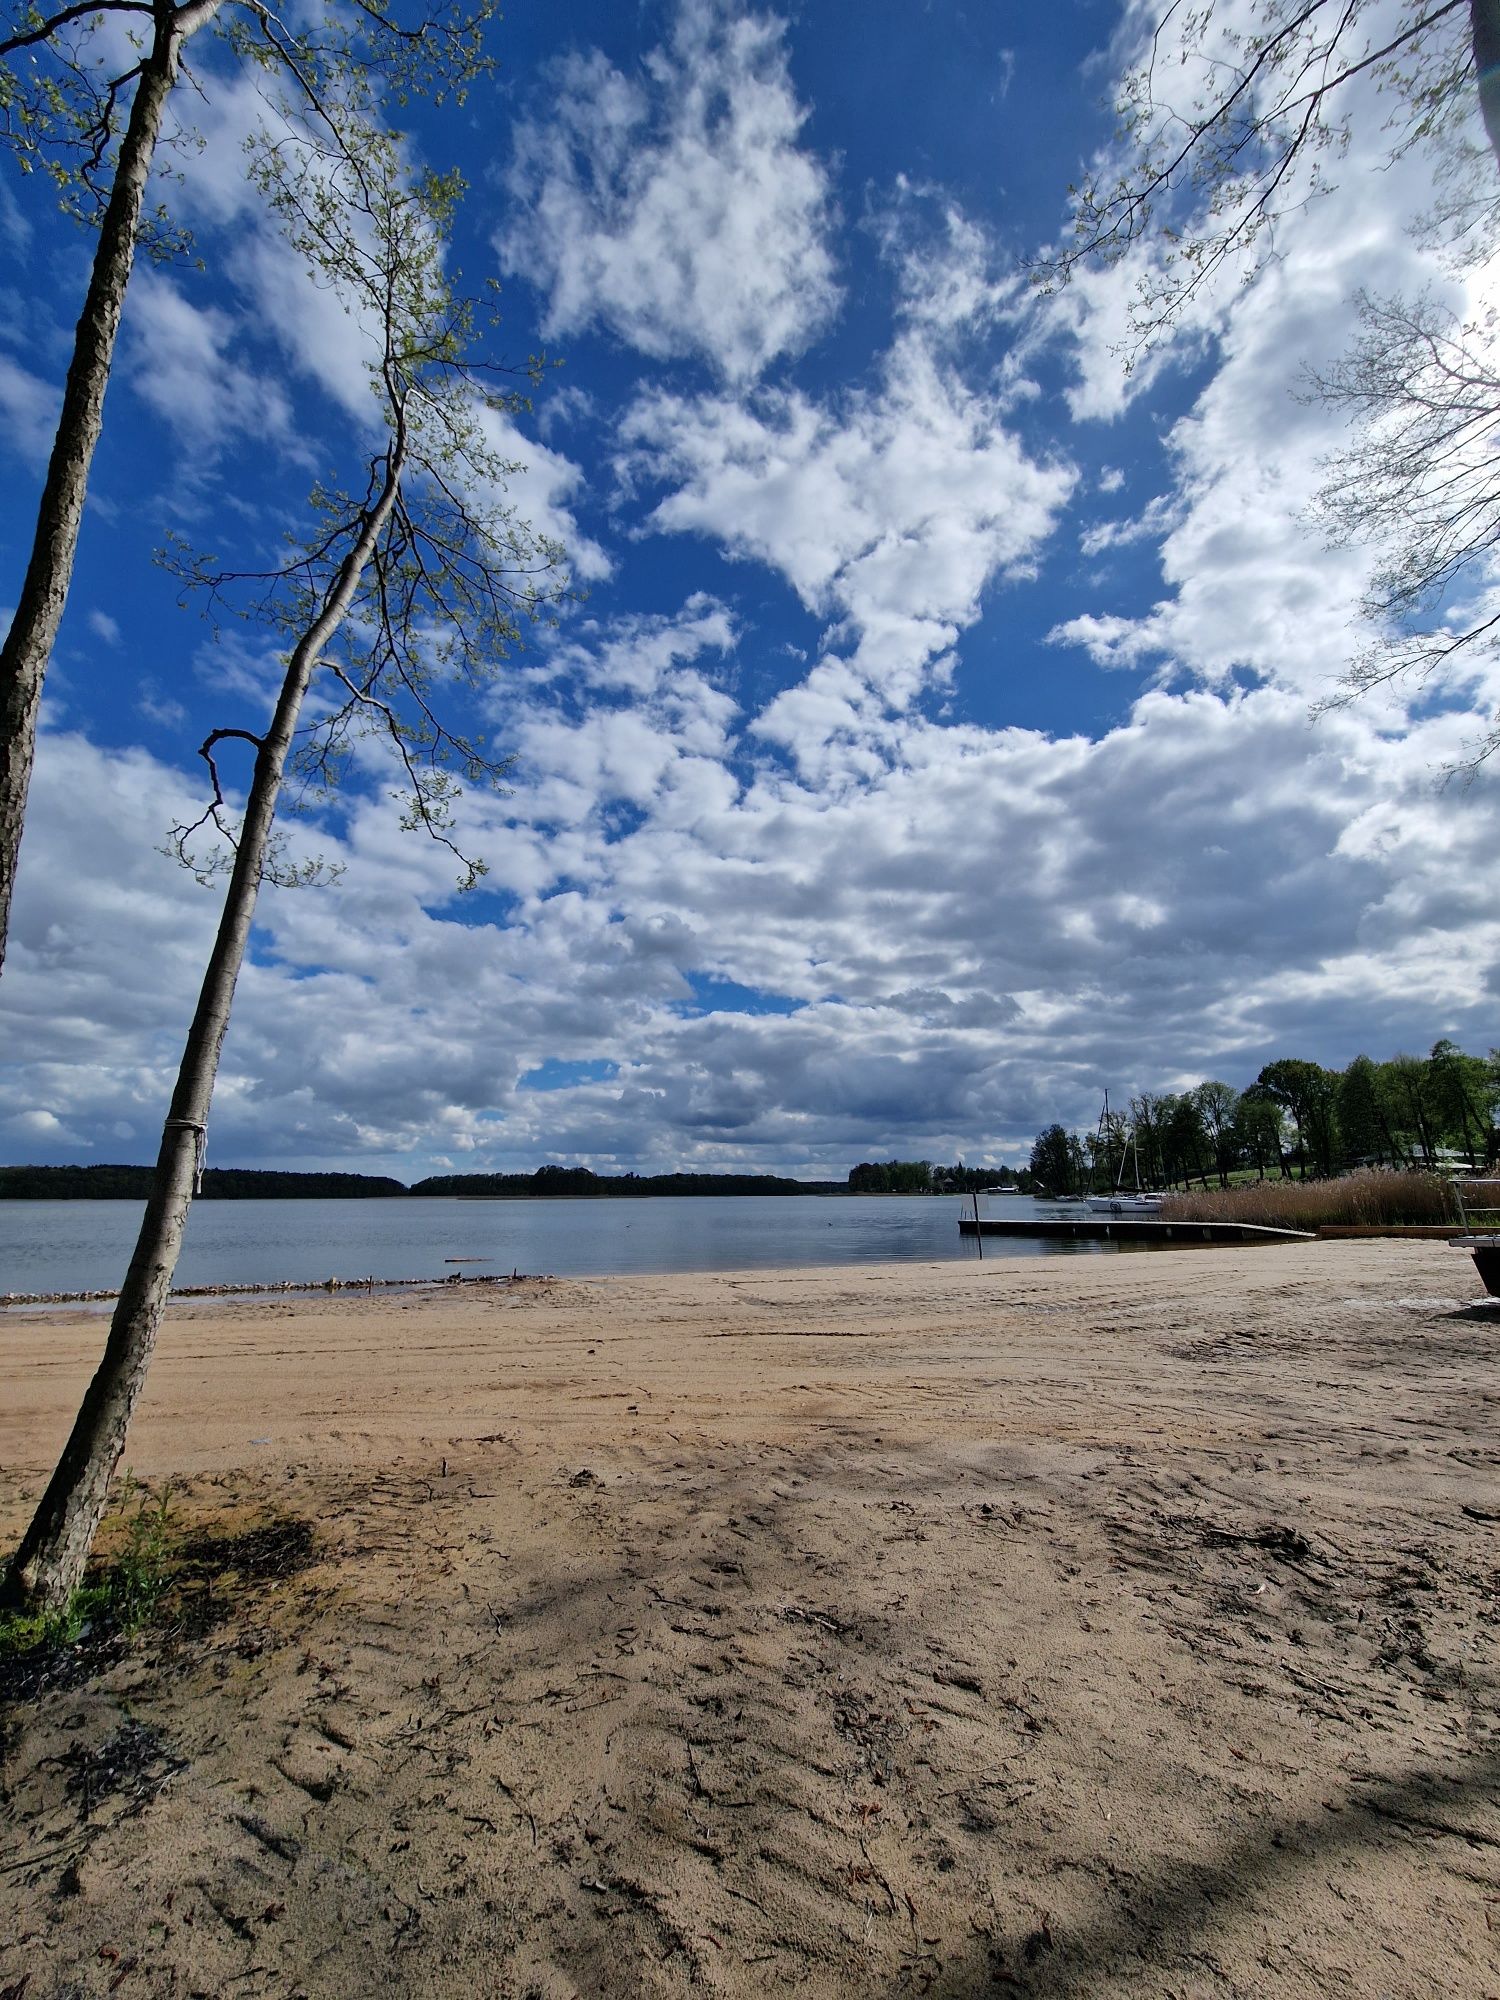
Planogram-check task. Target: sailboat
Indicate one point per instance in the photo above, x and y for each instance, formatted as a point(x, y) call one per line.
point(1138, 1201)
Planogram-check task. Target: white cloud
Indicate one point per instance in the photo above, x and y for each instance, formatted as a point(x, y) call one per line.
point(15, 229)
point(656, 737)
point(182, 366)
point(1153, 521)
point(29, 407)
point(540, 487)
point(1108, 641)
point(1248, 583)
point(678, 209)
point(162, 711)
point(888, 512)
point(949, 274)
point(907, 497)
point(638, 654)
point(972, 941)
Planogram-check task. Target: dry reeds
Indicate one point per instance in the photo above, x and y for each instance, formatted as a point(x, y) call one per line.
point(1372, 1198)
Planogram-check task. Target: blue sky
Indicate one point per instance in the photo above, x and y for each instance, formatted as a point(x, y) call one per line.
point(930, 743)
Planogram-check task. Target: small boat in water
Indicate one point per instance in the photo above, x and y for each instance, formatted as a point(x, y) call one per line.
point(1124, 1202)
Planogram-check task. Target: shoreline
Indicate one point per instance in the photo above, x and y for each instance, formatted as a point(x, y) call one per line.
point(1175, 1235)
point(1053, 1626)
point(281, 1287)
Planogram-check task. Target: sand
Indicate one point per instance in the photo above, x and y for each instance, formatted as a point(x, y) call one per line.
point(1098, 1625)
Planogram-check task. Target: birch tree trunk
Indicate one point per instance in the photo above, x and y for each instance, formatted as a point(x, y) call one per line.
point(48, 1567)
point(28, 645)
point(1484, 27)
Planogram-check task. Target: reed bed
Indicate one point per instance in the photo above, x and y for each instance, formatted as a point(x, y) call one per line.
point(1372, 1198)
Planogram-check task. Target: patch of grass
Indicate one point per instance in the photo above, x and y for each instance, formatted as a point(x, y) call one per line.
point(119, 1593)
point(151, 1569)
point(137, 1576)
point(1372, 1198)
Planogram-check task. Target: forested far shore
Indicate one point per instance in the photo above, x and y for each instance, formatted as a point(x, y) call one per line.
point(1296, 1120)
point(1436, 1112)
point(132, 1183)
point(124, 1183)
point(581, 1183)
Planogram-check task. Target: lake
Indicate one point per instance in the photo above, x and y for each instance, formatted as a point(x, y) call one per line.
point(84, 1246)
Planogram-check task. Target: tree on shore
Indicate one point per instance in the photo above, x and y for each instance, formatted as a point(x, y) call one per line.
point(93, 124)
point(1058, 1165)
point(420, 576)
point(1410, 1088)
point(1409, 1111)
point(1259, 1128)
point(1307, 1092)
point(1217, 1104)
point(1362, 1120)
point(1231, 121)
point(1463, 1098)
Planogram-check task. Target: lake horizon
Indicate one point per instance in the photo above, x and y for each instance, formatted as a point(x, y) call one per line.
point(85, 1246)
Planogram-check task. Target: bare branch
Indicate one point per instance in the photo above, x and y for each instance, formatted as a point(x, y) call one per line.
point(48, 29)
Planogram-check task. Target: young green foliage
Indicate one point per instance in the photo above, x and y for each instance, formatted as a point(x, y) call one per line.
point(420, 576)
point(1224, 130)
point(454, 574)
point(85, 94)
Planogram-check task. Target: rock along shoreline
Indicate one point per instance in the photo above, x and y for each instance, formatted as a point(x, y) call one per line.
point(301, 1285)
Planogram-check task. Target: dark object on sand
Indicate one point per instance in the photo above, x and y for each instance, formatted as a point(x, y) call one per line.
point(1486, 1252)
point(1479, 1211)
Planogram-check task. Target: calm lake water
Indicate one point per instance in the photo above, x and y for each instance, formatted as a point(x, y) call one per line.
point(84, 1246)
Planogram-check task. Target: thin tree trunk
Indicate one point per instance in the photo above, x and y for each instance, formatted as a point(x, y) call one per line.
point(48, 1567)
point(1389, 1136)
point(1484, 26)
point(28, 645)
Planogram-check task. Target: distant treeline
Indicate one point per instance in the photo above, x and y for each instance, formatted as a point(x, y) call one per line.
point(219, 1183)
point(922, 1177)
point(250, 1184)
point(1296, 1119)
point(579, 1182)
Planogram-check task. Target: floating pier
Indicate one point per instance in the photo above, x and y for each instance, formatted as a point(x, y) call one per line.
point(1129, 1229)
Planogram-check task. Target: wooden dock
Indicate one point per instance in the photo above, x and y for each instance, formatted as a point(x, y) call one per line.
point(1130, 1229)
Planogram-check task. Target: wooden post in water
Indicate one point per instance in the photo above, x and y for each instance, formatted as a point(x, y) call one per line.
point(978, 1232)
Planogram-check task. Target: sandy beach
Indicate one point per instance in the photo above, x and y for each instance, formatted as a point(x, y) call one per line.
point(1117, 1625)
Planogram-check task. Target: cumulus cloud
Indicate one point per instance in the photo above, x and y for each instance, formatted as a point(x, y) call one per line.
point(949, 275)
point(797, 930)
point(955, 951)
point(107, 943)
point(542, 485)
point(678, 208)
point(1152, 522)
point(638, 653)
point(888, 512)
point(1248, 583)
point(29, 407)
point(181, 364)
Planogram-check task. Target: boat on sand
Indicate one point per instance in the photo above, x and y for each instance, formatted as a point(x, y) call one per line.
point(1484, 1244)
